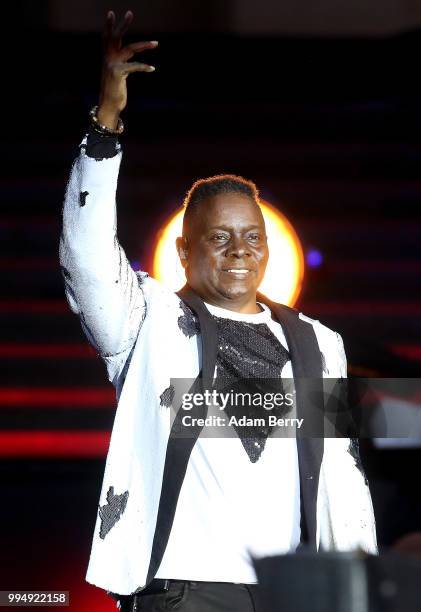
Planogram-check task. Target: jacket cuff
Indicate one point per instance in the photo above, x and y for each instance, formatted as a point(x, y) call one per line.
point(100, 146)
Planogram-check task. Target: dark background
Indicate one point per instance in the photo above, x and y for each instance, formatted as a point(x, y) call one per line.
point(319, 108)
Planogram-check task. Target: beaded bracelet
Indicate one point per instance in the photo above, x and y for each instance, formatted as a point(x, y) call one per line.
point(103, 129)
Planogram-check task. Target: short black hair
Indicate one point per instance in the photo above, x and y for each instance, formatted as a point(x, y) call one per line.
point(212, 186)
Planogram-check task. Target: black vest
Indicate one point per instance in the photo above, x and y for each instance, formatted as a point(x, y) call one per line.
point(306, 364)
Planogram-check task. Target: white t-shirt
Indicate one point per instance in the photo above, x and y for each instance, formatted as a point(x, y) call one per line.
point(230, 508)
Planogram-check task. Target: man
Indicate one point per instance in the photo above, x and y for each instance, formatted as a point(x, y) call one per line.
point(180, 517)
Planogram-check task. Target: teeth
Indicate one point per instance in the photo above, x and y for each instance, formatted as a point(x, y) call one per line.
point(236, 271)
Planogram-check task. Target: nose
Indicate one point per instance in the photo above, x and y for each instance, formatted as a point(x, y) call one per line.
point(237, 247)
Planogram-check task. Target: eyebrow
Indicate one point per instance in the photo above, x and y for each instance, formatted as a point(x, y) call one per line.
point(227, 228)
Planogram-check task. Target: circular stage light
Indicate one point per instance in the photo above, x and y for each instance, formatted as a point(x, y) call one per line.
point(284, 273)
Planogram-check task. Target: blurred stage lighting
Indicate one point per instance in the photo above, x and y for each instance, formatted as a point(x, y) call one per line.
point(284, 273)
point(314, 258)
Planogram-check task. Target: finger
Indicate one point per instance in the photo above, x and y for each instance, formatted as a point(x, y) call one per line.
point(128, 51)
point(137, 67)
point(109, 24)
point(124, 24)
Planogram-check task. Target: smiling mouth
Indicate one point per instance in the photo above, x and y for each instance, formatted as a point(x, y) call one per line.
point(238, 271)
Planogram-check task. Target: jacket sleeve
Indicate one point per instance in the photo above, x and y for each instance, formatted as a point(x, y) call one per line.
point(345, 509)
point(100, 285)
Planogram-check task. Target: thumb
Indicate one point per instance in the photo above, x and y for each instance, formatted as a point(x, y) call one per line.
point(130, 67)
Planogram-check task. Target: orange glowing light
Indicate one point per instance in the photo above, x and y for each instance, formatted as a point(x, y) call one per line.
point(284, 273)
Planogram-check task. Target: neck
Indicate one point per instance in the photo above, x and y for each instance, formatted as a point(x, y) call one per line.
point(250, 307)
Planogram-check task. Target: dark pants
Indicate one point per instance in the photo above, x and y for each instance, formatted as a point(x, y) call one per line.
point(190, 596)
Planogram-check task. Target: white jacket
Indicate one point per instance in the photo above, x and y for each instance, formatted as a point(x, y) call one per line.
point(132, 321)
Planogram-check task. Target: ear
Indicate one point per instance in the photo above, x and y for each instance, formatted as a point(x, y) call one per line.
point(182, 250)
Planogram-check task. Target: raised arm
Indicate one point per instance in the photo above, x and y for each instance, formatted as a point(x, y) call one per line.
point(100, 285)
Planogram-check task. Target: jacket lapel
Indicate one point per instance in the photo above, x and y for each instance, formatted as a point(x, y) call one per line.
point(308, 372)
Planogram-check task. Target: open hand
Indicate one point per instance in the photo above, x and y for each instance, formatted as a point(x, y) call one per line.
point(116, 68)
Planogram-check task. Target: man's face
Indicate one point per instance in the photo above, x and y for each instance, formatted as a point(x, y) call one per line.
point(226, 252)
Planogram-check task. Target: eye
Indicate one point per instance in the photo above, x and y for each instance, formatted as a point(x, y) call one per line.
point(254, 237)
point(219, 237)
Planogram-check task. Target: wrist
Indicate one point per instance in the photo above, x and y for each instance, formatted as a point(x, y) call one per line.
point(108, 117)
point(103, 125)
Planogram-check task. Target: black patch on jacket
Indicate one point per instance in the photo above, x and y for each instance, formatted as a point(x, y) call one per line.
point(188, 322)
point(111, 512)
point(65, 272)
point(167, 396)
point(354, 451)
point(82, 197)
